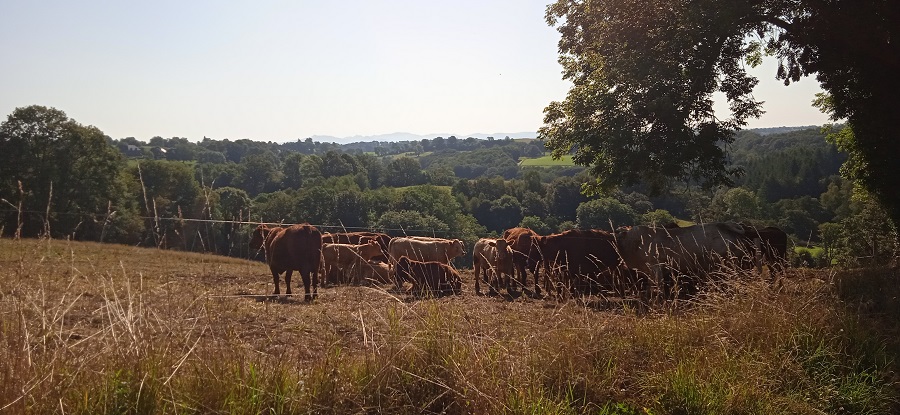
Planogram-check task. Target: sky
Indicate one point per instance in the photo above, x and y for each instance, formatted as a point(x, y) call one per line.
point(286, 70)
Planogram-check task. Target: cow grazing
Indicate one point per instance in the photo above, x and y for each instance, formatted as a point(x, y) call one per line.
point(376, 272)
point(296, 248)
point(339, 259)
point(492, 258)
point(357, 238)
point(429, 279)
point(581, 261)
point(696, 250)
point(524, 243)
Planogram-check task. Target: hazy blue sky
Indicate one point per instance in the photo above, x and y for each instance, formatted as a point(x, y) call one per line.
point(282, 70)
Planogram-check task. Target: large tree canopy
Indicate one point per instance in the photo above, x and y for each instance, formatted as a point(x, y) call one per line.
point(645, 72)
point(66, 170)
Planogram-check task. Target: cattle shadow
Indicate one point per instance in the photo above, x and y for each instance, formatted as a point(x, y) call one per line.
point(293, 299)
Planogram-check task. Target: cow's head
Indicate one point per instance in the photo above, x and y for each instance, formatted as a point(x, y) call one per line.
point(259, 236)
point(370, 249)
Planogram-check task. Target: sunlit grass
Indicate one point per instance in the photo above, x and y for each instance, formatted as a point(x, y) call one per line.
point(547, 161)
point(89, 328)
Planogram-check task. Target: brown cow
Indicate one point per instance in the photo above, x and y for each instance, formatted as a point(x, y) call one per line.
point(581, 261)
point(526, 253)
point(342, 258)
point(492, 258)
point(357, 238)
point(296, 248)
point(428, 279)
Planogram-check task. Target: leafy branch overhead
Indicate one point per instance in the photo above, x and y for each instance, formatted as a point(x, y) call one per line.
point(644, 74)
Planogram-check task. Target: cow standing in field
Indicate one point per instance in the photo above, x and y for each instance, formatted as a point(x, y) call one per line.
point(492, 258)
point(425, 250)
point(341, 259)
point(582, 261)
point(431, 278)
point(524, 243)
point(357, 238)
point(296, 248)
point(696, 251)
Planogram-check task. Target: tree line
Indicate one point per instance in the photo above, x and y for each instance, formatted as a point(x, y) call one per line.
point(63, 179)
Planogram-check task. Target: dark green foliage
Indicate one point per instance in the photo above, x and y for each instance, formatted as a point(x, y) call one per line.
point(644, 73)
point(604, 213)
point(66, 170)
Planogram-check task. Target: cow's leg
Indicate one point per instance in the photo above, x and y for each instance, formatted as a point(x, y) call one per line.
point(478, 271)
point(275, 280)
point(315, 284)
point(306, 283)
point(287, 281)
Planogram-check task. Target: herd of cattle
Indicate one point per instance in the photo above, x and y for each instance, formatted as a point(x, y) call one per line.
point(630, 261)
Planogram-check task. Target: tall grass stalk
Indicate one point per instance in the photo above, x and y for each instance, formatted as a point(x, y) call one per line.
point(90, 328)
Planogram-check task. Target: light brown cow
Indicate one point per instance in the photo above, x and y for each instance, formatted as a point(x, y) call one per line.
point(341, 259)
point(297, 248)
point(430, 249)
point(357, 238)
point(492, 259)
point(376, 272)
point(425, 250)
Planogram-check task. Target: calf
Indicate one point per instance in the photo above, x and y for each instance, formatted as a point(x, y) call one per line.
point(492, 258)
point(428, 278)
point(376, 272)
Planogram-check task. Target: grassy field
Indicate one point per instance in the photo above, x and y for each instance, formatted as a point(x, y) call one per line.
point(547, 161)
point(88, 328)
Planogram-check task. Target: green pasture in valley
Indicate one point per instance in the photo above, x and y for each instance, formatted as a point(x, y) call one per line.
point(547, 161)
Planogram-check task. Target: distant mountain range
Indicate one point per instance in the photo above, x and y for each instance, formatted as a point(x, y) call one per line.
point(400, 136)
point(416, 137)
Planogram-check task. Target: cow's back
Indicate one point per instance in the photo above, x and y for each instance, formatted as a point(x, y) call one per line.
point(690, 248)
point(524, 243)
point(423, 250)
point(299, 248)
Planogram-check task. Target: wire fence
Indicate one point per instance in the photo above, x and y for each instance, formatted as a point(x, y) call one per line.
point(209, 235)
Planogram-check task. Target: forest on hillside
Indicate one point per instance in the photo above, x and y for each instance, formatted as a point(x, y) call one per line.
point(66, 180)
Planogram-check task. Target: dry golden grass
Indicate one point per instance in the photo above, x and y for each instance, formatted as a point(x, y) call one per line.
point(92, 328)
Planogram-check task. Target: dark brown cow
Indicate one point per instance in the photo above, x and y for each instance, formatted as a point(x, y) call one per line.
point(581, 260)
point(428, 279)
point(296, 248)
point(769, 246)
point(357, 238)
point(526, 253)
point(681, 258)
